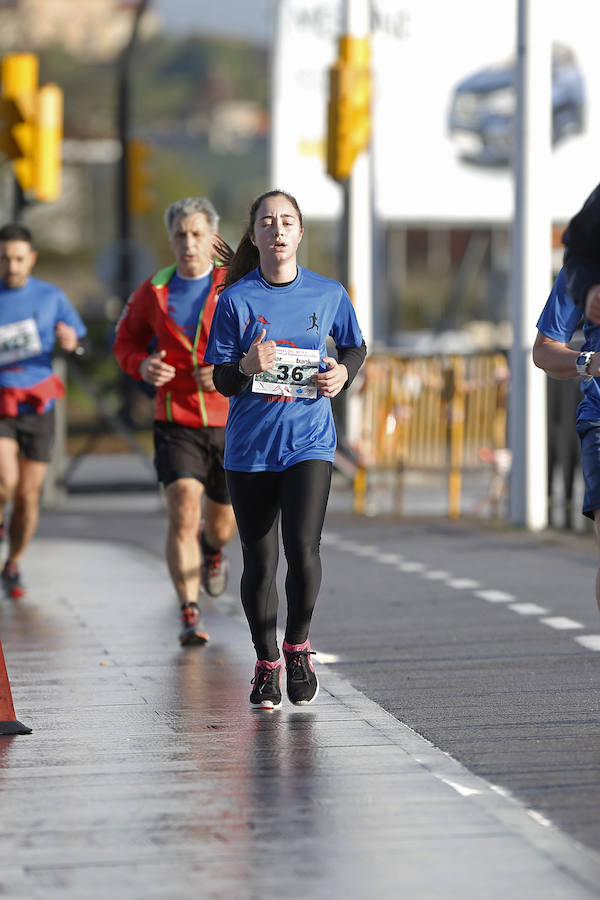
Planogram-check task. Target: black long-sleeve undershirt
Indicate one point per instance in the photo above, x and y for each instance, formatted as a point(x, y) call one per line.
point(229, 380)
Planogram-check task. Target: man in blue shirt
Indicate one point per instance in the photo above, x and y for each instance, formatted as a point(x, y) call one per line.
point(34, 316)
point(557, 324)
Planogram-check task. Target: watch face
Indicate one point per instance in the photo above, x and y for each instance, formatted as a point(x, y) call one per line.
point(583, 360)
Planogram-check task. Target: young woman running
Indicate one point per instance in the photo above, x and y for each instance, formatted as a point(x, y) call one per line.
point(268, 346)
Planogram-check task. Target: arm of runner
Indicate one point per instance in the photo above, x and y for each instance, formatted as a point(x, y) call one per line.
point(155, 371)
point(66, 337)
point(331, 382)
point(203, 376)
point(260, 356)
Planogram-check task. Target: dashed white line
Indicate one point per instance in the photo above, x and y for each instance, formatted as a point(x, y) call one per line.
point(389, 558)
point(589, 641)
point(495, 596)
point(561, 623)
point(411, 566)
point(463, 584)
point(528, 609)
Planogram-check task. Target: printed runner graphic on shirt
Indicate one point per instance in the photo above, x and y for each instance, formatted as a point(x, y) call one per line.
point(292, 375)
point(19, 340)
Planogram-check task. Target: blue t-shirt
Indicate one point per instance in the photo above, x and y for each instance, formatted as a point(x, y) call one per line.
point(560, 320)
point(28, 319)
point(266, 433)
point(186, 301)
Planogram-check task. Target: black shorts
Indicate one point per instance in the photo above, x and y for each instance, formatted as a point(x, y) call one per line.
point(184, 452)
point(33, 432)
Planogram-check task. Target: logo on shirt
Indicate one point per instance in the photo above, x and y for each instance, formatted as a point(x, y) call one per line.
point(314, 323)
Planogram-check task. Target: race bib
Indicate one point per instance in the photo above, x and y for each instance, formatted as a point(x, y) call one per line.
point(19, 340)
point(291, 376)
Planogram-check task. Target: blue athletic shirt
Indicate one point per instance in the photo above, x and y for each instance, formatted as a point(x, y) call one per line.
point(28, 319)
point(186, 301)
point(559, 320)
point(266, 433)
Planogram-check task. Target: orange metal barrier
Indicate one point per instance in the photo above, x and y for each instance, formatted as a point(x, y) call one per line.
point(431, 412)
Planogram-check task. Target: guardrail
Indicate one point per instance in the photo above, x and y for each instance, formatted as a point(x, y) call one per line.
point(442, 413)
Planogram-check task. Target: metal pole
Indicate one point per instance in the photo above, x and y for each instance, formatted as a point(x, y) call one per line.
point(124, 285)
point(531, 266)
point(358, 237)
point(358, 202)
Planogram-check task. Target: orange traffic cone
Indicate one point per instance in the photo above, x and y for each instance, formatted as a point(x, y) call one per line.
point(8, 721)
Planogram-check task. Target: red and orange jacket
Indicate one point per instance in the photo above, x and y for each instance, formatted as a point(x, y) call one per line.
point(145, 316)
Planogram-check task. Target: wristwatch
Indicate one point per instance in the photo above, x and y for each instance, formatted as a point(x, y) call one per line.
point(583, 363)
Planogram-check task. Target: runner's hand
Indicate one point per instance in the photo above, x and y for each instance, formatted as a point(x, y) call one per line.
point(260, 356)
point(203, 376)
point(66, 336)
point(154, 371)
point(592, 304)
point(331, 382)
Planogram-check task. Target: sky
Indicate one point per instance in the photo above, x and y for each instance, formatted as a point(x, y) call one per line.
point(234, 18)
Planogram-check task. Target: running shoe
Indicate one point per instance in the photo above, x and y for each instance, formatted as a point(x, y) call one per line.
point(302, 681)
point(193, 630)
point(214, 571)
point(11, 581)
point(266, 693)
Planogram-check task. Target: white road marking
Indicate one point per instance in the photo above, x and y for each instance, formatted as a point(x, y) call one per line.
point(539, 818)
point(561, 623)
point(528, 609)
point(462, 584)
point(461, 789)
point(495, 596)
point(411, 566)
point(326, 657)
point(437, 575)
point(589, 641)
point(389, 558)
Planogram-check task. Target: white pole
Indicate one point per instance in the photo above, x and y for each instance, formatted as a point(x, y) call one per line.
point(531, 265)
point(360, 201)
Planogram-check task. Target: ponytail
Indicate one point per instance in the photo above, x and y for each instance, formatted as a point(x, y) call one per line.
point(244, 260)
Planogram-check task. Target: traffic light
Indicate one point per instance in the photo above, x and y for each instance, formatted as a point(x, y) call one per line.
point(349, 113)
point(140, 178)
point(47, 149)
point(18, 109)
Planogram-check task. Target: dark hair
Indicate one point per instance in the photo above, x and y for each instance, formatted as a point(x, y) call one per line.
point(246, 257)
point(15, 232)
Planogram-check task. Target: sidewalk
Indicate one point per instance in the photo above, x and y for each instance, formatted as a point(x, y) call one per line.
point(148, 776)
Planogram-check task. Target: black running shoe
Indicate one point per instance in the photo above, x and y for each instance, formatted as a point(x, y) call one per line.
point(193, 630)
point(266, 693)
point(11, 581)
point(302, 681)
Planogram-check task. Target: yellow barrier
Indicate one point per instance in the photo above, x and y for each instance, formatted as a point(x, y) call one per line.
point(436, 413)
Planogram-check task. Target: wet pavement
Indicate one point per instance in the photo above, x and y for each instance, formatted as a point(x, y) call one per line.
point(148, 776)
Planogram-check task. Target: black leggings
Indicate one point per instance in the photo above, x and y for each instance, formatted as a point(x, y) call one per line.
point(300, 493)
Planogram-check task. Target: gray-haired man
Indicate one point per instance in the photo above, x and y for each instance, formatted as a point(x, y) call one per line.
point(172, 312)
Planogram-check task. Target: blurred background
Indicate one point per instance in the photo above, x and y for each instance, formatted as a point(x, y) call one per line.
point(168, 98)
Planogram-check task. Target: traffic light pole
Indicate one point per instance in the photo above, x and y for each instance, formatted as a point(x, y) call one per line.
point(358, 230)
point(125, 271)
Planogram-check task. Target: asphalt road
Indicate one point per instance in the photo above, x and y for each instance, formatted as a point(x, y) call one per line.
point(484, 641)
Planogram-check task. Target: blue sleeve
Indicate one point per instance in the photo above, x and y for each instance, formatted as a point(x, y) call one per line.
point(560, 317)
point(68, 314)
point(224, 339)
point(346, 331)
